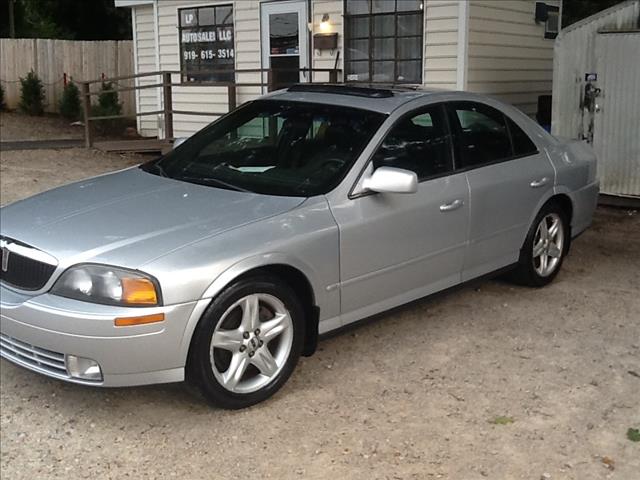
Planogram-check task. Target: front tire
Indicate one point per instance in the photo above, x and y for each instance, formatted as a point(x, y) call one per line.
point(544, 248)
point(247, 343)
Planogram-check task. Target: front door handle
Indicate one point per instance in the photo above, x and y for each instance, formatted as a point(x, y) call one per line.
point(539, 183)
point(448, 207)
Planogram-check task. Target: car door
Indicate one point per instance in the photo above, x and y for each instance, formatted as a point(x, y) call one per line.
point(394, 247)
point(508, 179)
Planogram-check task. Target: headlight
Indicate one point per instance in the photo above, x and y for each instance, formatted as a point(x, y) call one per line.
point(108, 285)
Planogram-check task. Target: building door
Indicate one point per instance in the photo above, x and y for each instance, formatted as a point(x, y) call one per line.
point(285, 41)
point(617, 113)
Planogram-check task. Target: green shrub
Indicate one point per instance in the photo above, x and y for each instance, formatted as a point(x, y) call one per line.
point(31, 94)
point(70, 102)
point(108, 105)
point(1, 97)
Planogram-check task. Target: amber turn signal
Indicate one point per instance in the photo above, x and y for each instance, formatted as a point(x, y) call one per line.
point(131, 321)
point(139, 291)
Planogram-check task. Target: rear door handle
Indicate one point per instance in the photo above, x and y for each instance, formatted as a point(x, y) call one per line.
point(539, 183)
point(448, 207)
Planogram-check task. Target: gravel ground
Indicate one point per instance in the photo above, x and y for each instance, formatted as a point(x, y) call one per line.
point(15, 126)
point(491, 381)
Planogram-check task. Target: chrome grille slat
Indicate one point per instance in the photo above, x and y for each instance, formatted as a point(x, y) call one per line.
point(31, 356)
point(37, 350)
point(24, 267)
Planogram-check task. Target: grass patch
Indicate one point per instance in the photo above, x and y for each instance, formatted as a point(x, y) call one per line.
point(502, 420)
point(633, 434)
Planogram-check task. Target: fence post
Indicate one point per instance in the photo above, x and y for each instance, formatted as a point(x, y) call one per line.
point(86, 112)
point(333, 76)
point(231, 93)
point(168, 105)
point(270, 80)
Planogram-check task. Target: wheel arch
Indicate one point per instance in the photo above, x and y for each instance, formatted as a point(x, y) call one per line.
point(295, 274)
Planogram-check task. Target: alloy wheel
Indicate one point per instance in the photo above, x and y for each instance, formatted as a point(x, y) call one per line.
point(251, 343)
point(548, 245)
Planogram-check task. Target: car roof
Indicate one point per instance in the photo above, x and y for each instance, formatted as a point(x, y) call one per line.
point(376, 98)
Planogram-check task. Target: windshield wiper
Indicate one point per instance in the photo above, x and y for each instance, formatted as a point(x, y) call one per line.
point(213, 182)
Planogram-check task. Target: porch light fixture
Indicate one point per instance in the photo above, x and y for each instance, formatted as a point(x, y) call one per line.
point(325, 26)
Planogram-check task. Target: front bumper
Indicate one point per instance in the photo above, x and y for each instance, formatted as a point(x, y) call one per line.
point(39, 333)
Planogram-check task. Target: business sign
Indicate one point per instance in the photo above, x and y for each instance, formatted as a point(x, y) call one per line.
point(207, 43)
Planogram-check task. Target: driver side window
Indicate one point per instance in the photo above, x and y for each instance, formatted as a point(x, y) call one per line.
point(419, 142)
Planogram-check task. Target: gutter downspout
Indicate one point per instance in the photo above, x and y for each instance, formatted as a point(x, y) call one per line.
point(463, 45)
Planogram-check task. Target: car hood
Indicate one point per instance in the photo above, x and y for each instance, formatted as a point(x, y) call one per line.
point(131, 217)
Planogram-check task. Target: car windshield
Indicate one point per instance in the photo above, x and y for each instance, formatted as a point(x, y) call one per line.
point(274, 148)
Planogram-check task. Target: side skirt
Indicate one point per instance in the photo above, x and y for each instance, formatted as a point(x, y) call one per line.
point(446, 291)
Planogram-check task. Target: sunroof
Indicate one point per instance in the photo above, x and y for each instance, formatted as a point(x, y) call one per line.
point(342, 90)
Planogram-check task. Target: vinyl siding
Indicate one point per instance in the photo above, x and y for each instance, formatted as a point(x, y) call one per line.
point(327, 58)
point(440, 44)
point(145, 52)
point(508, 56)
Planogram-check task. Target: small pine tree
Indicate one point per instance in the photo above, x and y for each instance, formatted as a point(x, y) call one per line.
point(107, 105)
point(70, 102)
point(108, 101)
point(32, 94)
point(1, 97)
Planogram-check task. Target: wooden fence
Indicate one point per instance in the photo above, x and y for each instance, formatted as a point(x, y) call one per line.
point(52, 59)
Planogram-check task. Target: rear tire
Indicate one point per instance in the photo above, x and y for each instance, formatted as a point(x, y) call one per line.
point(544, 248)
point(247, 343)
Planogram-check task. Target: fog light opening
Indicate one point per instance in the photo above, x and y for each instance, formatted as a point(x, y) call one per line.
point(83, 368)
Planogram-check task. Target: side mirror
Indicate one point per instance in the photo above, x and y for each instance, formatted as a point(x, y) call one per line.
point(391, 180)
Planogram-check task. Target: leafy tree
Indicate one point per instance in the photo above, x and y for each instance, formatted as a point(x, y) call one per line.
point(67, 19)
point(575, 10)
point(31, 94)
point(70, 102)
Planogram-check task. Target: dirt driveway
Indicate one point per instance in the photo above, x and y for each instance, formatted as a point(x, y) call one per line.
point(492, 381)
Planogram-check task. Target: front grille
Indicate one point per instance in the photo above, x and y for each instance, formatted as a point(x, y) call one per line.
point(24, 272)
point(33, 357)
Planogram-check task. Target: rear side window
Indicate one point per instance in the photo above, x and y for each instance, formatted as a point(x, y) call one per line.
point(522, 144)
point(419, 142)
point(481, 135)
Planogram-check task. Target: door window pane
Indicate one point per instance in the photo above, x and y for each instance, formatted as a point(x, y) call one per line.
point(522, 144)
point(283, 34)
point(482, 135)
point(419, 143)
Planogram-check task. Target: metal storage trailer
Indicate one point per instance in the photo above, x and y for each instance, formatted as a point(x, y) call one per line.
point(596, 93)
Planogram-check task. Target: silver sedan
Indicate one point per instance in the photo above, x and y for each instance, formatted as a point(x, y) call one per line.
point(297, 214)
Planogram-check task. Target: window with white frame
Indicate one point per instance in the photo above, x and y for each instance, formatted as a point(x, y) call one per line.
point(206, 35)
point(384, 40)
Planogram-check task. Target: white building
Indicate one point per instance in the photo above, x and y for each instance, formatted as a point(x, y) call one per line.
point(497, 47)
